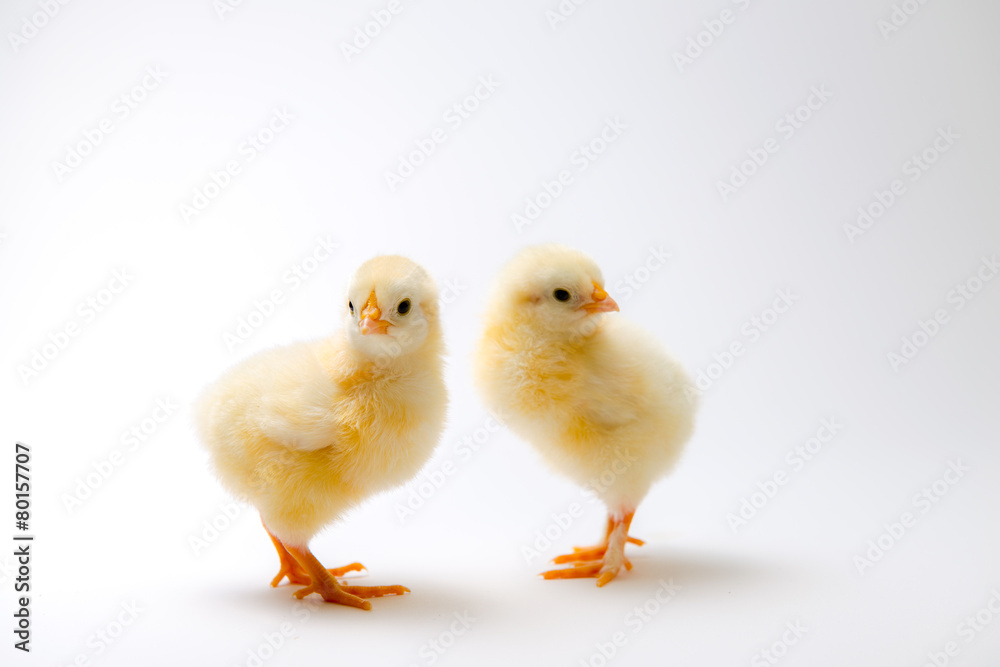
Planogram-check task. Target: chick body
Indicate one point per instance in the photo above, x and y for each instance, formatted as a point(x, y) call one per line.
point(307, 431)
point(597, 395)
point(611, 411)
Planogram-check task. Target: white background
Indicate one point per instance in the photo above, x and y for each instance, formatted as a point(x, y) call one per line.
point(687, 126)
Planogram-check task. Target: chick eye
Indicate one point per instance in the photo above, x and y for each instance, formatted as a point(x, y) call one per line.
point(561, 295)
point(350, 304)
point(404, 307)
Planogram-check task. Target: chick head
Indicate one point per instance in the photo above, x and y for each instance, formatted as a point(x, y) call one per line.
point(554, 290)
point(390, 308)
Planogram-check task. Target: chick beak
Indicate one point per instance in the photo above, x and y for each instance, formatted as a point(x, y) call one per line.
point(600, 302)
point(370, 317)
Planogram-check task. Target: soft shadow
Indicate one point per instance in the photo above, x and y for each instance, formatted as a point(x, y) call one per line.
point(418, 603)
point(712, 570)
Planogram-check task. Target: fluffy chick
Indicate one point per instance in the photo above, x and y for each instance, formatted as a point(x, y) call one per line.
point(307, 431)
point(597, 396)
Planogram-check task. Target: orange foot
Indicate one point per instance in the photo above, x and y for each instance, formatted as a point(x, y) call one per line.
point(302, 567)
point(603, 561)
point(323, 583)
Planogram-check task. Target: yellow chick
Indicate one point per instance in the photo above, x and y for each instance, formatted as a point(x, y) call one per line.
point(597, 396)
point(307, 431)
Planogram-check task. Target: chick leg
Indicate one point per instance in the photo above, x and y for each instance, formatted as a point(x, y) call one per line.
point(603, 562)
point(290, 567)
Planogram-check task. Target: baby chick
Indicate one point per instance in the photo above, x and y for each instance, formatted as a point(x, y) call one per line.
point(307, 431)
point(599, 398)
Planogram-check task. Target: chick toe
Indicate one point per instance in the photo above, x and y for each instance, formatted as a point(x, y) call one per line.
point(331, 592)
point(341, 571)
point(375, 591)
point(582, 571)
point(582, 555)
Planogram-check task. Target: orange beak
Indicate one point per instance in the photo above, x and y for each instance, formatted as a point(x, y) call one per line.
point(371, 321)
point(600, 303)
